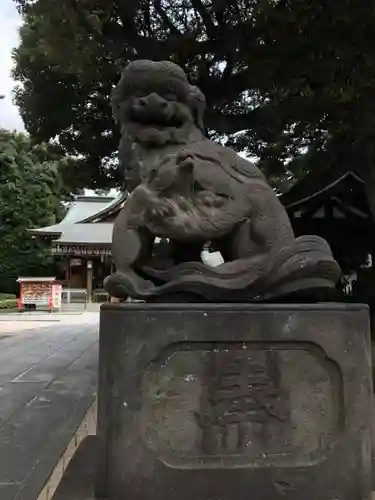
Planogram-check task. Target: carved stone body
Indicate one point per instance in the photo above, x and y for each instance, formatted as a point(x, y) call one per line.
point(194, 192)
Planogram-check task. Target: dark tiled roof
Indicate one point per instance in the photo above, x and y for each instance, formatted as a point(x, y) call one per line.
point(82, 224)
point(86, 206)
point(314, 184)
point(115, 204)
point(78, 234)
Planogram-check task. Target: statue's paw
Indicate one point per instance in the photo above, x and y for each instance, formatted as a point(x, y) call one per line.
point(127, 284)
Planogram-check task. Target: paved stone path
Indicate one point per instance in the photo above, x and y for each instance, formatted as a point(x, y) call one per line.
point(47, 382)
point(18, 322)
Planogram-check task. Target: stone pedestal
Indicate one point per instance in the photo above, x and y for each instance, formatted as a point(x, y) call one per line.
point(234, 402)
point(231, 402)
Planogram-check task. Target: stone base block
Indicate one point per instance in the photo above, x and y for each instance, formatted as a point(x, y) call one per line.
point(214, 401)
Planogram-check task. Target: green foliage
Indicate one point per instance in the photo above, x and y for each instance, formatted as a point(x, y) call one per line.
point(9, 285)
point(77, 61)
point(30, 196)
point(289, 81)
point(8, 304)
point(7, 296)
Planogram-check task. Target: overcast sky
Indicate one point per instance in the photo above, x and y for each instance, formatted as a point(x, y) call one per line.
point(9, 24)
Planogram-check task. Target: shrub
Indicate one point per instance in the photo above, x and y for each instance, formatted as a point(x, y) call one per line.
point(9, 285)
point(8, 304)
point(7, 296)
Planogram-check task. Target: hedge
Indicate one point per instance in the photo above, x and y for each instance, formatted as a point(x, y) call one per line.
point(8, 304)
point(9, 285)
point(7, 296)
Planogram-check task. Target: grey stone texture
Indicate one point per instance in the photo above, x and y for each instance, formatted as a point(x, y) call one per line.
point(48, 379)
point(193, 193)
point(215, 401)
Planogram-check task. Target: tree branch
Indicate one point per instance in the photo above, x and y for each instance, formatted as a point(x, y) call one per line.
point(127, 10)
point(206, 18)
point(148, 19)
point(228, 68)
point(150, 47)
point(159, 10)
point(219, 7)
point(220, 89)
point(82, 18)
point(229, 124)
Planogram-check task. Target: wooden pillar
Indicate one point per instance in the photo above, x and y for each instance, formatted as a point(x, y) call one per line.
point(68, 276)
point(89, 275)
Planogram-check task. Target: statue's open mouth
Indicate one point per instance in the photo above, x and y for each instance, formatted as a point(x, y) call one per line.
point(160, 121)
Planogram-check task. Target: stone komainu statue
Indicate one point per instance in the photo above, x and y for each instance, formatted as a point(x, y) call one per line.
point(192, 192)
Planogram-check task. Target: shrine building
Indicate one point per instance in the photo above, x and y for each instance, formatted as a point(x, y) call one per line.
point(334, 205)
point(336, 209)
point(82, 244)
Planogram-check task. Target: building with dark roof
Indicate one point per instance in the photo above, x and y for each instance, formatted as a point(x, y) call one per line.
point(83, 240)
point(335, 208)
point(334, 205)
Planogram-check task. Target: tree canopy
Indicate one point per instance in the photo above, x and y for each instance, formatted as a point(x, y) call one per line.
point(31, 193)
point(289, 81)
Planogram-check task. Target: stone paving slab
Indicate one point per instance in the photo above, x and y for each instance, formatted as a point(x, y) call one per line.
point(7, 328)
point(87, 428)
point(53, 317)
point(22, 322)
point(78, 480)
point(48, 379)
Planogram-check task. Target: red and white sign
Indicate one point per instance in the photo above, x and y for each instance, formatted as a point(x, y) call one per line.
point(56, 295)
point(42, 292)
